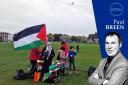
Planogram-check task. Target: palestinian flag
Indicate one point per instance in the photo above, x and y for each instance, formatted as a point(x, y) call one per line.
point(31, 37)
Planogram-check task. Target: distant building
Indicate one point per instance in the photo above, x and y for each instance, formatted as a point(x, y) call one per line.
point(84, 39)
point(92, 38)
point(10, 37)
point(5, 37)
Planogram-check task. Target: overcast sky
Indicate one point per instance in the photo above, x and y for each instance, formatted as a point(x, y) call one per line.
point(72, 17)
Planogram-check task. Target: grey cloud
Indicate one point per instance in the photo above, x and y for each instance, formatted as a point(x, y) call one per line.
point(60, 16)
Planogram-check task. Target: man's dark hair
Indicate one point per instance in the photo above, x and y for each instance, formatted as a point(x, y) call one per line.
point(114, 33)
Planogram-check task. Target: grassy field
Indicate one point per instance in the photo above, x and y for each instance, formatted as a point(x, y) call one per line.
point(10, 60)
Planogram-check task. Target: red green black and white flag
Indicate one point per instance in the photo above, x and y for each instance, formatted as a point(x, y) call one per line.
point(31, 37)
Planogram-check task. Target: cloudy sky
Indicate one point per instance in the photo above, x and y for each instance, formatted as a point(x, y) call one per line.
point(72, 17)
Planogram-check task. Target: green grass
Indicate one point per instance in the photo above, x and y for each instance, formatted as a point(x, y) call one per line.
point(10, 60)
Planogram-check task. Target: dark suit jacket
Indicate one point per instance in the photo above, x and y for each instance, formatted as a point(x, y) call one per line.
point(116, 74)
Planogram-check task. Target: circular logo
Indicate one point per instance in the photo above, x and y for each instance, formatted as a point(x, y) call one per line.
point(116, 9)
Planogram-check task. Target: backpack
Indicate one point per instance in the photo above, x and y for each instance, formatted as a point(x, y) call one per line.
point(20, 75)
point(91, 69)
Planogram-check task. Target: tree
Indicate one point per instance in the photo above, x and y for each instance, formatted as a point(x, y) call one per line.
point(73, 38)
point(50, 37)
point(57, 37)
point(76, 38)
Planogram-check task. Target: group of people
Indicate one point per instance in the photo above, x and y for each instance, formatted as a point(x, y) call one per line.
point(112, 70)
point(46, 56)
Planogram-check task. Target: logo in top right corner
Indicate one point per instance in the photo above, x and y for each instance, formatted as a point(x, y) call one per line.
point(116, 9)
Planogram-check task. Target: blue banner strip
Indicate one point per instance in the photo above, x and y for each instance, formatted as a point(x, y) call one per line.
point(111, 16)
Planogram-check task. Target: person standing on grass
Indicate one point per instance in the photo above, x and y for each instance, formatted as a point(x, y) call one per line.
point(65, 45)
point(77, 48)
point(71, 58)
point(47, 56)
point(34, 55)
point(62, 59)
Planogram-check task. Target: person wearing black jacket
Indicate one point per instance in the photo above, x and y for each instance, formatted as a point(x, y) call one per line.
point(47, 56)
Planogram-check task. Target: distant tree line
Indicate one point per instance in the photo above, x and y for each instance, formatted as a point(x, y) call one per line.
point(59, 37)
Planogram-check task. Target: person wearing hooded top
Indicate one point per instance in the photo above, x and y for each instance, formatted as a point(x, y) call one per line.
point(34, 55)
point(65, 46)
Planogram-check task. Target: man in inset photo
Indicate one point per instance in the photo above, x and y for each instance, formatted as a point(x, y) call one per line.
point(112, 70)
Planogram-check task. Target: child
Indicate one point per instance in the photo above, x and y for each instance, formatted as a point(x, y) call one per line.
point(71, 58)
point(62, 58)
